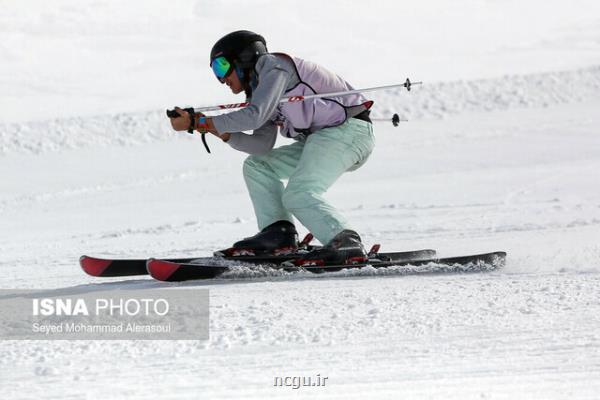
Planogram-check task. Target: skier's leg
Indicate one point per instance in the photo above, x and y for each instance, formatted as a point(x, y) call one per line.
point(263, 175)
point(327, 154)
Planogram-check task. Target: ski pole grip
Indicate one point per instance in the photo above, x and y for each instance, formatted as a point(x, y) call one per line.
point(175, 114)
point(172, 114)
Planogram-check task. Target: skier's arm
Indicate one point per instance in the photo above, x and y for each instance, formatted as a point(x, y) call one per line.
point(259, 142)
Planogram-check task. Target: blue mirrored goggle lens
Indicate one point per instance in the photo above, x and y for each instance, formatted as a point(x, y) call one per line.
point(221, 67)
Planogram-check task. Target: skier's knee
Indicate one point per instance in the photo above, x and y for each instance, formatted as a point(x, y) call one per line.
point(250, 164)
point(295, 199)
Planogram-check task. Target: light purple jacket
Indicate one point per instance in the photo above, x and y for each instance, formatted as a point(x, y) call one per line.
point(279, 75)
point(311, 115)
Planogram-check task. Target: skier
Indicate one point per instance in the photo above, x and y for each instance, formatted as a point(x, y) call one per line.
point(332, 136)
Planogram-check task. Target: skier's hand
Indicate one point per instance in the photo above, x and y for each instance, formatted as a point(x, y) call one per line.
point(181, 123)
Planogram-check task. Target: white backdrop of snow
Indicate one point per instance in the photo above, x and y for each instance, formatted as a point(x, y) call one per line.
point(502, 151)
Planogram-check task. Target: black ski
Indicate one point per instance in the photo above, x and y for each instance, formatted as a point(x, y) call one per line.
point(175, 272)
point(104, 267)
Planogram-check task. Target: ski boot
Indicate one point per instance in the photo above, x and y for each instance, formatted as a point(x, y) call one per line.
point(279, 238)
point(345, 248)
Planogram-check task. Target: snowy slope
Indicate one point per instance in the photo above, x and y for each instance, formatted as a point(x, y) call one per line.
point(501, 153)
point(93, 57)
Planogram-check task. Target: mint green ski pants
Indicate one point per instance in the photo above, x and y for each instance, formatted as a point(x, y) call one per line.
point(310, 167)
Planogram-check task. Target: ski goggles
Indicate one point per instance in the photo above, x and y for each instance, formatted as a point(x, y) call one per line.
point(221, 67)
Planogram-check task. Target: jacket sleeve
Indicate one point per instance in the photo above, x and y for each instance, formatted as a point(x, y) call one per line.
point(261, 141)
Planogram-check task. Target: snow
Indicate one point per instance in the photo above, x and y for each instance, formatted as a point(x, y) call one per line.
point(501, 152)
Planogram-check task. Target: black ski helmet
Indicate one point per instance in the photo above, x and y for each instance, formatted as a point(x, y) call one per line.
point(241, 48)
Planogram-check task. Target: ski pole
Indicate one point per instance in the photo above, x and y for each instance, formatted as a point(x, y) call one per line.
point(395, 119)
point(293, 99)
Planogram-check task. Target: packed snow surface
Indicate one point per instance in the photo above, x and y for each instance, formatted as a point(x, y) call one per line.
point(501, 152)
